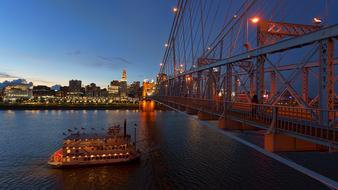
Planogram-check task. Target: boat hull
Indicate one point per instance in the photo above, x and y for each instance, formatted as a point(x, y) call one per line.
point(61, 165)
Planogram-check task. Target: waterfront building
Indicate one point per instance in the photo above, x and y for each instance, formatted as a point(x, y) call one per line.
point(92, 90)
point(1, 94)
point(17, 92)
point(134, 89)
point(62, 92)
point(41, 90)
point(113, 88)
point(123, 89)
point(75, 88)
point(104, 92)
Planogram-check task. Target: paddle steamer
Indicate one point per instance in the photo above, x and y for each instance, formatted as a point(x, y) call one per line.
point(93, 149)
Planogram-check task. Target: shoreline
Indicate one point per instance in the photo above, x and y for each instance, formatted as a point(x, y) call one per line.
point(122, 106)
point(69, 107)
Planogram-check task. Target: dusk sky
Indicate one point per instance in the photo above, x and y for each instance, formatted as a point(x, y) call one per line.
point(52, 41)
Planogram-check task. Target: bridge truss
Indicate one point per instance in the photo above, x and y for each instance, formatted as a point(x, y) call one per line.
point(286, 65)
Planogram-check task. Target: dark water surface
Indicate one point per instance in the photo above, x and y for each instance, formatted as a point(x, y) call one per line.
point(190, 156)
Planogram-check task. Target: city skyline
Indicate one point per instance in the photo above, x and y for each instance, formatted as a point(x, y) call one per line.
point(169, 94)
point(92, 42)
point(18, 81)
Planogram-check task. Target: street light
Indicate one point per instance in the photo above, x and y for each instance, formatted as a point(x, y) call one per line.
point(316, 20)
point(174, 9)
point(166, 45)
point(253, 20)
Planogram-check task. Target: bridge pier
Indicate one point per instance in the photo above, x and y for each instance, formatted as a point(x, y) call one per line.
point(206, 116)
point(226, 123)
point(274, 142)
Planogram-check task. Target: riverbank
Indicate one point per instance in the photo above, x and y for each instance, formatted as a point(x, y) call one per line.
point(122, 106)
point(115, 106)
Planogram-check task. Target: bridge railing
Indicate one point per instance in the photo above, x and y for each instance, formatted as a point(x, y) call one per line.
point(297, 120)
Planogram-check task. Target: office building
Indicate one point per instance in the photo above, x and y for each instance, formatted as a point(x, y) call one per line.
point(42, 91)
point(113, 88)
point(17, 91)
point(92, 90)
point(75, 88)
point(134, 89)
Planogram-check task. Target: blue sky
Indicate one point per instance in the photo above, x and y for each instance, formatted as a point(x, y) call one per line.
point(52, 41)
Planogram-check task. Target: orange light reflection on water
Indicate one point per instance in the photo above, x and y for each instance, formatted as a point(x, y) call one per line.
point(147, 115)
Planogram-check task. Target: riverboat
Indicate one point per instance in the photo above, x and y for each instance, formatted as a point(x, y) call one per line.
point(93, 149)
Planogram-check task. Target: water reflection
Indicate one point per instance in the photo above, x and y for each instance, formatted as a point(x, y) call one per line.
point(147, 105)
point(188, 155)
point(147, 122)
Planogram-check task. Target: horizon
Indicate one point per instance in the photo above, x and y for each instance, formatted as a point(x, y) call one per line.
point(24, 81)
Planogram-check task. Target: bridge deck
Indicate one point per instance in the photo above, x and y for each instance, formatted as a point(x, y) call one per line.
point(294, 121)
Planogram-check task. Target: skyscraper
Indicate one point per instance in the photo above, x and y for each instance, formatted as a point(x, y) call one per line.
point(123, 84)
point(124, 75)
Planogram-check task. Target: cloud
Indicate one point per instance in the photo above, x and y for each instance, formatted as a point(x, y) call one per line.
point(19, 80)
point(41, 81)
point(115, 59)
point(14, 82)
point(123, 60)
point(6, 75)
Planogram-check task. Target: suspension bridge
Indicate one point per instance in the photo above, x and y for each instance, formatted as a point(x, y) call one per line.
point(255, 65)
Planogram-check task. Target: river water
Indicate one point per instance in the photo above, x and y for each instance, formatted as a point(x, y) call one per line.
point(185, 155)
